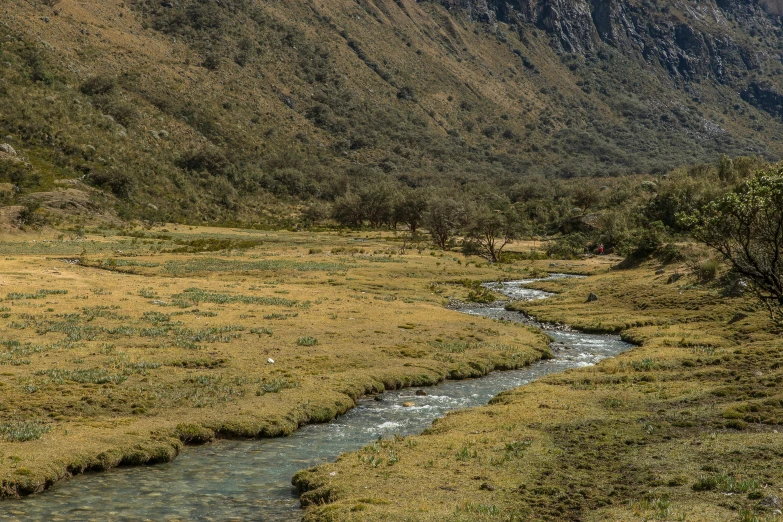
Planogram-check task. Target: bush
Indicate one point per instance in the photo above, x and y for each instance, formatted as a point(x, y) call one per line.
point(212, 61)
point(119, 183)
point(669, 253)
point(650, 240)
point(209, 159)
point(706, 270)
point(746, 228)
point(406, 94)
point(568, 247)
point(98, 85)
point(19, 174)
point(123, 112)
point(29, 214)
point(481, 295)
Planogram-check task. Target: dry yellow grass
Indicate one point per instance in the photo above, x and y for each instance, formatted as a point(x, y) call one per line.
point(136, 349)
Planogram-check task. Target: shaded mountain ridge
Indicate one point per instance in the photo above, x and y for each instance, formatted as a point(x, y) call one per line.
point(239, 111)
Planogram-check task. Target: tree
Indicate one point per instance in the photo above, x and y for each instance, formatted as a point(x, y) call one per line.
point(746, 228)
point(377, 202)
point(410, 208)
point(682, 192)
point(492, 229)
point(586, 197)
point(445, 215)
point(347, 210)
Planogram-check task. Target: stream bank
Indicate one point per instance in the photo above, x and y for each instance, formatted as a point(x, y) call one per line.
point(250, 479)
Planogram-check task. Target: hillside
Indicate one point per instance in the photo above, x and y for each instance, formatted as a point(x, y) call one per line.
point(251, 112)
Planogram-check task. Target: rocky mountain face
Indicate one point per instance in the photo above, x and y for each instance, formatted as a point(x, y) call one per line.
point(691, 41)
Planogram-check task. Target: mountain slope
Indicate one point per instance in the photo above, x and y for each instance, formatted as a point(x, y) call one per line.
point(238, 110)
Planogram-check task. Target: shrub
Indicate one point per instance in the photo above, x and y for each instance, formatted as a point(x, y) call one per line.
point(669, 253)
point(707, 270)
point(406, 94)
point(650, 240)
point(119, 183)
point(29, 214)
point(98, 85)
point(567, 247)
point(209, 159)
point(482, 296)
point(212, 61)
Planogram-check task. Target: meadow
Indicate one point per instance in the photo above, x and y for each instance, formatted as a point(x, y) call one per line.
point(683, 427)
point(121, 346)
point(118, 347)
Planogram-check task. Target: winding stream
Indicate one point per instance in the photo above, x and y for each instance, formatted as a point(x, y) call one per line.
point(250, 480)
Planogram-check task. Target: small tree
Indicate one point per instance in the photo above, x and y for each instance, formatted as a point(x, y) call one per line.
point(491, 230)
point(586, 197)
point(445, 215)
point(746, 228)
point(410, 208)
point(377, 202)
point(348, 211)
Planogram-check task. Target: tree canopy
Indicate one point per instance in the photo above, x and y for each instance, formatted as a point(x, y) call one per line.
point(746, 227)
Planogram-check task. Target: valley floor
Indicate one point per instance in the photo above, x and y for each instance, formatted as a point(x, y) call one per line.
point(119, 347)
point(684, 427)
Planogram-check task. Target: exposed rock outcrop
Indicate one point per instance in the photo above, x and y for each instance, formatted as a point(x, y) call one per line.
point(689, 40)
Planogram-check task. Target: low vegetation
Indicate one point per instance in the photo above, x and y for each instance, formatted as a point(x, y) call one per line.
point(683, 427)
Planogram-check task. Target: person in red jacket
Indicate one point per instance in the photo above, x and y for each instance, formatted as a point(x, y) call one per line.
point(601, 249)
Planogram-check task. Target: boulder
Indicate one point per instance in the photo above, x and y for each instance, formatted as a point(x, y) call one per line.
point(660, 271)
point(592, 297)
point(408, 404)
point(487, 486)
point(674, 278)
point(421, 393)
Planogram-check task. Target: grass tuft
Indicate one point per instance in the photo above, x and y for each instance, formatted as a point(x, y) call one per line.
point(23, 431)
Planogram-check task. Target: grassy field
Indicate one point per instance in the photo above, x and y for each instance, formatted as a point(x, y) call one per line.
point(118, 347)
point(684, 427)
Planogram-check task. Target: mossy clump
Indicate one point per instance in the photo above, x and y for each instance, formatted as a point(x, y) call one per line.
point(194, 433)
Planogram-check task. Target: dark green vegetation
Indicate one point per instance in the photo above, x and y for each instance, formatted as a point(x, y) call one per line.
point(268, 113)
point(638, 217)
point(746, 227)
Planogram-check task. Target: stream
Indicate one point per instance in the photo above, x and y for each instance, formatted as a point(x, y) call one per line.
point(250, 480)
